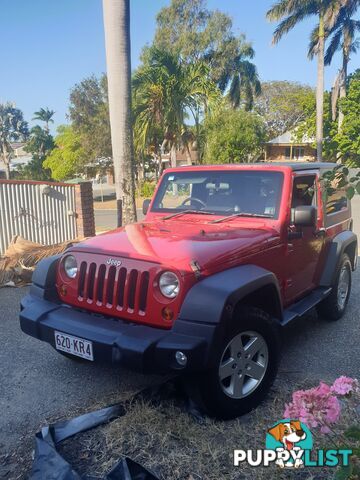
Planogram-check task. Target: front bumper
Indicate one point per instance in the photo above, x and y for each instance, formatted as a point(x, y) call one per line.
point(138, 347)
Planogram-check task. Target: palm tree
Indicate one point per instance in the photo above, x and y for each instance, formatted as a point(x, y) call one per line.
point(242, 77)
point(343, 37)
point(292, 12)
point(166, 89)
point(45, 115)
point(117, 41)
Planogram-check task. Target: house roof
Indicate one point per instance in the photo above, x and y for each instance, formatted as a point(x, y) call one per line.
point(16, 145)
point(287, 138)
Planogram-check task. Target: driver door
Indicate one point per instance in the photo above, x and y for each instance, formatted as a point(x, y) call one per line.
point(305, 244)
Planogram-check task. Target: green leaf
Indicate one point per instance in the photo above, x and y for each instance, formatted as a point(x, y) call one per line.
point(356, 452)
point(350, 192)
point(353, 179)
point(344, 473)
point(358, 188)
point(353, 432)
point(345, 171)
point(328, 174)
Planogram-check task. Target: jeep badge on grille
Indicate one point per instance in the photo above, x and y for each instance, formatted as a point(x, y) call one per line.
point(113, 262)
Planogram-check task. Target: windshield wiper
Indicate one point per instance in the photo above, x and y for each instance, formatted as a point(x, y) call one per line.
point(242, 214)
point(184, 212)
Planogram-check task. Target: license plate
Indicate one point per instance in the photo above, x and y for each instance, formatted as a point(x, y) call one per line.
point(74, 345)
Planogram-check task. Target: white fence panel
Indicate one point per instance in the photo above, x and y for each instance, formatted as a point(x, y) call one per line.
point(40, 212)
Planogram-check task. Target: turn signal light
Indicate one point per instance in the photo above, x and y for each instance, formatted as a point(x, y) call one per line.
point(167, 314)
point(63, 290)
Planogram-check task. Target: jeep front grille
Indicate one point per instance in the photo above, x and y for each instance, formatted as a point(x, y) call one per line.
point(113, 287)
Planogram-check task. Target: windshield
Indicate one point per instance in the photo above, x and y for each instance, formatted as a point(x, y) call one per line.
point(220, 192)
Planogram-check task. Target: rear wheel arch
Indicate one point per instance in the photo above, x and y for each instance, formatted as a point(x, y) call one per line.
point(344, 242)
point(351, 251)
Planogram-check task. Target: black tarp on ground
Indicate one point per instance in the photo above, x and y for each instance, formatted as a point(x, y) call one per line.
point(50, 465)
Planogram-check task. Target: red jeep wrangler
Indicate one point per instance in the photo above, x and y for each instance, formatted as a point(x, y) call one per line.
point(226, 256)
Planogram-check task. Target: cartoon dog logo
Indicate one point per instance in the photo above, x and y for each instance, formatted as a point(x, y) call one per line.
point(289, 434)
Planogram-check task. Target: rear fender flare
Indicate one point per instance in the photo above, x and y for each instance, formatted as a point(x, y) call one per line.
point(337, 248)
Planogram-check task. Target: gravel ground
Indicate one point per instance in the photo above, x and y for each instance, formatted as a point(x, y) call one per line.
point(38, 385)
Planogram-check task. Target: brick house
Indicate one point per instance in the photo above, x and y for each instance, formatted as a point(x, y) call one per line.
point(285, 148)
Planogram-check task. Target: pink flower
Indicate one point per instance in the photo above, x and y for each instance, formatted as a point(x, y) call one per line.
point(345, 385)
point(314, 407)
point(323, 388)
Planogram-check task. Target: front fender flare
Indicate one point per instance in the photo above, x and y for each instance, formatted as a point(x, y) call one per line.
point(207, 301)
point(209, 305)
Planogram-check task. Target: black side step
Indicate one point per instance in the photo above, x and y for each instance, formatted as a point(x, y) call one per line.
point(304, 305)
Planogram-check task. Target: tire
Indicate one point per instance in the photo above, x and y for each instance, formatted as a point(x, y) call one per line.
point(227, 398)
point(334, 306)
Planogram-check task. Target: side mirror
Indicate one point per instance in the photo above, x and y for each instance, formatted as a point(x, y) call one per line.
point(146, 205)
point(304, 216)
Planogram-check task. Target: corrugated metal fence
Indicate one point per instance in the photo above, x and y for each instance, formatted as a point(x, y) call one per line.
point(40, 212)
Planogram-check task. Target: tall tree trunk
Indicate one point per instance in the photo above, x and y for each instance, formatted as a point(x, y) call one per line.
point(173, 155)
point(188, 154)
point(118, 59)
point(320, 90)
point(342, 89)
point(7, 170)
point(6, 159)
point(173, 165)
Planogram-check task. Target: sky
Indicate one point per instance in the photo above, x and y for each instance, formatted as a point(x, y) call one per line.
point(50, 45)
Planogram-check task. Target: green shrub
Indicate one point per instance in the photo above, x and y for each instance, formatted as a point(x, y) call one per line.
point(146, 189)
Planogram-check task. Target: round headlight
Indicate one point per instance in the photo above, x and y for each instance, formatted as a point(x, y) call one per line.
point(169, 285)
point(70, 266)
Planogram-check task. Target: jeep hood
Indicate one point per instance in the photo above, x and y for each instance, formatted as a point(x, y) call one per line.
point(176, 244)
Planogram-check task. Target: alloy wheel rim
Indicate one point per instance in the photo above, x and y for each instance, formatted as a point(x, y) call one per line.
point(243, 364)
point(343, 287)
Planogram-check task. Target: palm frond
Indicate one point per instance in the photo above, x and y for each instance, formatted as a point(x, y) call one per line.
point(314, 42)
point(282, 8)
point(334, 46)
point(286, 25)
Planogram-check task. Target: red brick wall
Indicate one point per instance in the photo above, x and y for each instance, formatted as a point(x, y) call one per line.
point(85, 220)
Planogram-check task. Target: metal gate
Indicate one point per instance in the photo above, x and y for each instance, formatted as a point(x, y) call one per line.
point(40, 212)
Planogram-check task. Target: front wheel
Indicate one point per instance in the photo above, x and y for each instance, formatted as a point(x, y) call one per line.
point(334, 306)
point(245, 367)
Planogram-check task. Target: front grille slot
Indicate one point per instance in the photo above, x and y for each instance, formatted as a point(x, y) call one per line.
point(82, 278)
point(144, 286)
point(132, 288)
point(91, 281)
point(110, 285)
point(100, 284)
point(119, 289)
